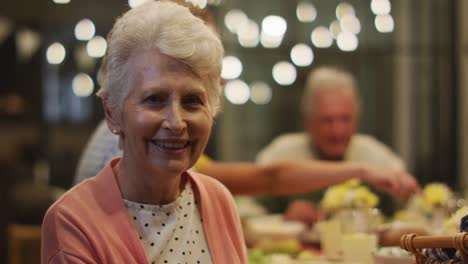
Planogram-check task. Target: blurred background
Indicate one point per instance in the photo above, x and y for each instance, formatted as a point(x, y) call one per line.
point(409, 58)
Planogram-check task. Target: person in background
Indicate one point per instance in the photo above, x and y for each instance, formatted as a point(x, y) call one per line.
point(243, 178)
point(330, 109)
point(287, 177)
point(160, 92)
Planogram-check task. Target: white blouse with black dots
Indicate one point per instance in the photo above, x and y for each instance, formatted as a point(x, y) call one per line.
point(171, 233)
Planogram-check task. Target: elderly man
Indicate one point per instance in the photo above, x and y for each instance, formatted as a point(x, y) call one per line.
point(330, 107)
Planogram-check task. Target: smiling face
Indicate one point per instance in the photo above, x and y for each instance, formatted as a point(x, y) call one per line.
point(332, 122)
point(165, 120)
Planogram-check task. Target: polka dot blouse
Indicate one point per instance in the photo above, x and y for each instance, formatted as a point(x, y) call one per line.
point(171, 233)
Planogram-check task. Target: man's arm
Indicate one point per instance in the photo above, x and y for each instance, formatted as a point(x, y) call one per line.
point(291, 177)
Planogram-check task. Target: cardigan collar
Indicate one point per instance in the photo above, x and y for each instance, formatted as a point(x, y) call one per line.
point(111, 201)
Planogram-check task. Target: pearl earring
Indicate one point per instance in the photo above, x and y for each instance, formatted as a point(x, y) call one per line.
point(115, 131)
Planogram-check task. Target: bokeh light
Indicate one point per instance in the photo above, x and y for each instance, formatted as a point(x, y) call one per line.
point(27, 43)
point(381, 7)
point(235, 19)
point(335, 28)
point(135, 3)
point(237, 92)
point(284, 73)
point(269, 41)
point(55, 53)
point(96, 47)
point(350, 23)
point(384, 23)
point(85, 29)
point(232, 68)
point(302, 55)
point(61, 1)
point(260, 93)
point(343, 9)
point(347, 41)
point(82, 85)
point(321, 37)
point(306, 12)
point(249, 35)
point(274, 26)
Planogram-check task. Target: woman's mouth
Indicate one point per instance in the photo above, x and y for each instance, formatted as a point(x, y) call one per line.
point(171, 145)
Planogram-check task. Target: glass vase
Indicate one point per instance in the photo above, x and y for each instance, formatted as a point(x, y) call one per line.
point(354, 220)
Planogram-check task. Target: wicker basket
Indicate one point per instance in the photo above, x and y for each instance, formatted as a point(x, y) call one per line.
point(414, 244)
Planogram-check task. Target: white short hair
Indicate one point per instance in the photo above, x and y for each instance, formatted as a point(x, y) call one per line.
point(326, 78)
point(174, 31)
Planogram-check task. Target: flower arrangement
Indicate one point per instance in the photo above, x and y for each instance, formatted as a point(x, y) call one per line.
point(452, 225)
point(436, 195)
point(350, 194)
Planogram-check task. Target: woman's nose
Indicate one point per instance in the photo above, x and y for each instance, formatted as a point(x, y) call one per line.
point(174, 120)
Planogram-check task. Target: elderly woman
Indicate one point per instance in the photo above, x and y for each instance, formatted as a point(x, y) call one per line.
point(160, 92)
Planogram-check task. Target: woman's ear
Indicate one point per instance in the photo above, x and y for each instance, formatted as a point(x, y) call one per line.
point(112, 117)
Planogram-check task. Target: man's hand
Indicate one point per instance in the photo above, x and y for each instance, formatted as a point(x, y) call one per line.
point(396, 182)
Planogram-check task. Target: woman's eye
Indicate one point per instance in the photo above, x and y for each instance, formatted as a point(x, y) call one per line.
point(154, 99)
point(192, 100)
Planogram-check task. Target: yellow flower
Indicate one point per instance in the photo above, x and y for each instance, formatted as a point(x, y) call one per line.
point(452, 225)
point(334, 197)
point(349, 195)
point(420, 204)
point(436, 194)
point(352, 183)
point(365, 198)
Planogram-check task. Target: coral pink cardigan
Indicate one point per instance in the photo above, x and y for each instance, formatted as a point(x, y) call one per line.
point(90, 223)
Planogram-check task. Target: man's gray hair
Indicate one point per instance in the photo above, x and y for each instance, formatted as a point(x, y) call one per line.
point(174, 31)
point(326, 78)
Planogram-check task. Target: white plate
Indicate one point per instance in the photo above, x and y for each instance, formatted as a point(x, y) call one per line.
point(273, 226)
